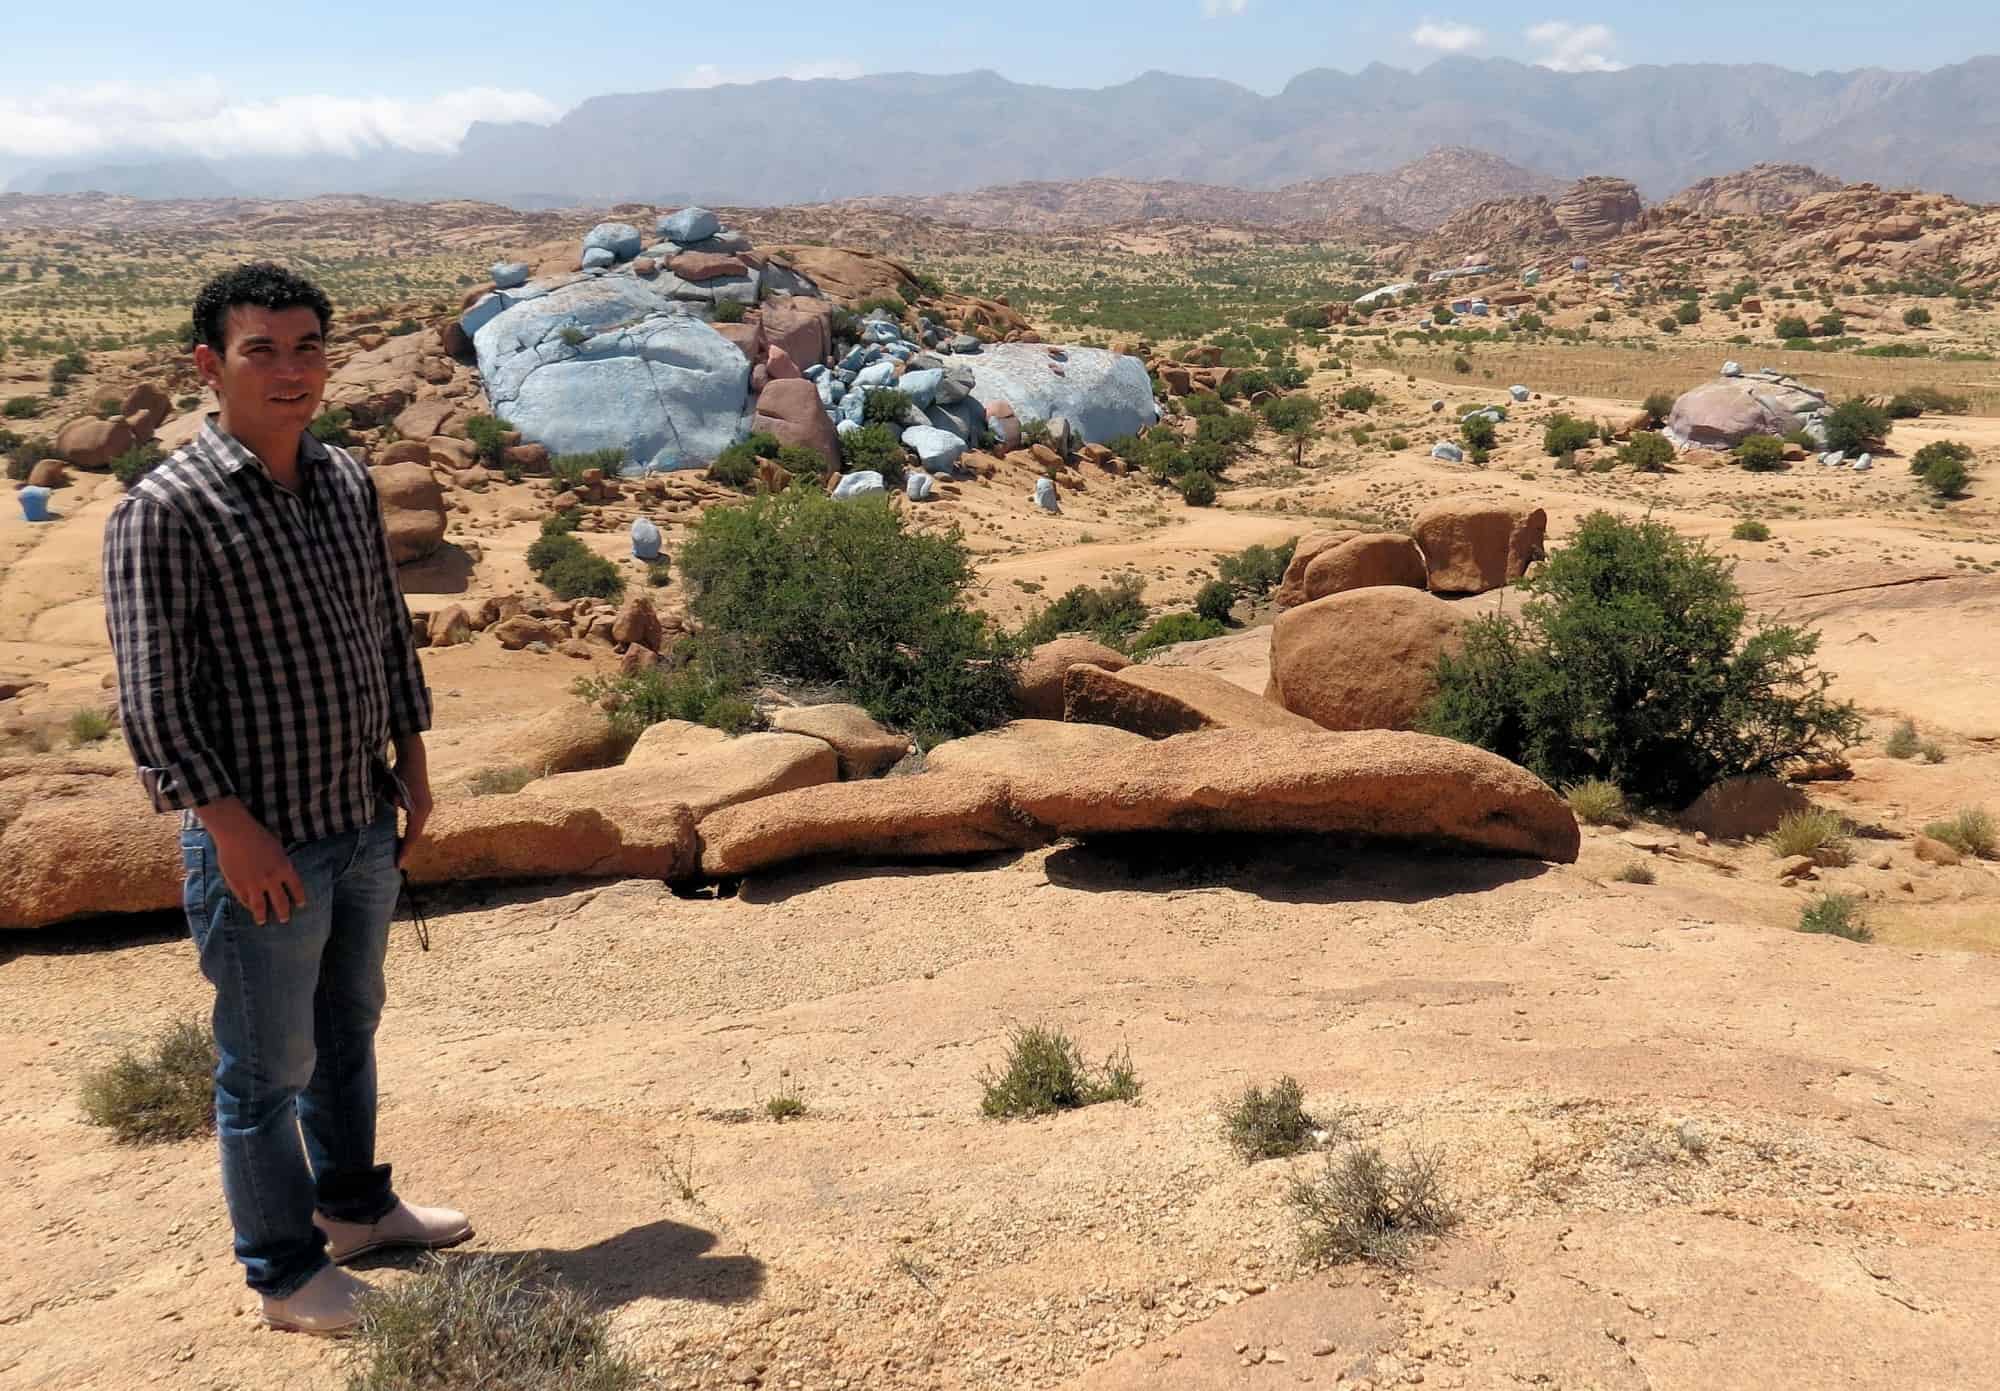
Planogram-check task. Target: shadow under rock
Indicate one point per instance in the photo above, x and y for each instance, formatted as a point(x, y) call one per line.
point(448, 570)
point(660, 1260)
point(784, 881)
point(1283, 868)
point(104, 933)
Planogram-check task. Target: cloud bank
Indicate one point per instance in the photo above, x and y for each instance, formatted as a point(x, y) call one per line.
point(1447, 36)
point(198, 117)
point(1568, 47)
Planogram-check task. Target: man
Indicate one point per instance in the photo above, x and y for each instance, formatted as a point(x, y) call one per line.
point(265, 665)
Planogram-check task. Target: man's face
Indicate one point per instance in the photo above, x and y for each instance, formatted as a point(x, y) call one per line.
point(271, 373)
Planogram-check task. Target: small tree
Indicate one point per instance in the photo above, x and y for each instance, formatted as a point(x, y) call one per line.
point(1761, 453)
point(1854, 425)
point(1565, 435)
point(1648, 452)
point(1214, 600)
point(1688, 314)
point(1830, 326)
point(1296, 418)
point(1658, 406)
point(1479, 431)
point(1947, 477)
point(1791, 326)
point(1631, 661)
point(1917, 316)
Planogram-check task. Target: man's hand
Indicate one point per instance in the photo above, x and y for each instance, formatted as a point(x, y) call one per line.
point(413, 767)
point(253, 862)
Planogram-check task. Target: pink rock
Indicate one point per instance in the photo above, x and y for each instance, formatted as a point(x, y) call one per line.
point(706, 265)
point(801, 332)
point(778, 365)
point(1000, 418)
point(791, 410)
point(748, 338)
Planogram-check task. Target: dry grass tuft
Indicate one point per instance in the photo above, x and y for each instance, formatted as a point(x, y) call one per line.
point(1363, 1207)
point(1596, 802)
point(1046, 1073)
point(166, 1095)
point(1814, 832)
point(1970, 832)
point(1270, 1125)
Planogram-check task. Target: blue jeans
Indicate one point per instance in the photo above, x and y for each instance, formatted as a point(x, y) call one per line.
point(296, 1005)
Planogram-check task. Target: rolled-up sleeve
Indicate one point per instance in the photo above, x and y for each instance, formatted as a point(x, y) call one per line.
point(409, 696)
point(151, 589)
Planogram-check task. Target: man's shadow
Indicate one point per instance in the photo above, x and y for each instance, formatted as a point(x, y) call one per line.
point(660, 1260)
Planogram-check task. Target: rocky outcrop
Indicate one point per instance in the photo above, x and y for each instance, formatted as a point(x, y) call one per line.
point(865, 749)
point(1363, 562)
point(1469, 549)
point(704, 780)
point(1597, 208)
point(92, 444)
point(1291, 590)
point(791, 410)
point(1400, 787)
point(1159, 702)
point(1723, 413)
point(1363, 659)
point(1026, 748)
point(561, 740)
point(1762, 190)
point(1101, 394)
point(412, 506)
point(500, 838)
point(1039, 693)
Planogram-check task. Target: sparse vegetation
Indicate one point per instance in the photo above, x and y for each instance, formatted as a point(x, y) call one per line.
point(787, 1103)
point(1361, 1206)
point(1479, 431)
point(1635, 872)
point(167, 1093)
point(1647, 452)
point(568, 470)
point(1111, 613)
point(1565, 434)
point(1816, 833)
point(1903, 741)
point(1761, 453)
point(1750, 529)
point(490, 1322)
point(1854, 426)
point(1658, 406)
point(703, 679)
point(1257, 570)
point(1270, 1124)
point(488, 434)
point(1836, 915)
point(1633, 661)
point(729, 311)
point(1171, 628)
point(499, 782)
point(330, 426)
point(135, 463)
point(1596, 802)
point(21, 408)
point(88, 726)
point(1214, 600)
point(1971, 831)
point(1045, 1073)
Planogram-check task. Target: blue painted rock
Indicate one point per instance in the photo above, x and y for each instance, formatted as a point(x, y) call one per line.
point(1045, 495)
point(1102, 394)
point(645, 540)
point(963, 343)
point(1448, 452)
point(510, 275)
point(621, 239)
point(597, 258)
point(641, 376)
point(876, 374)
point(1519, 393)
point(34, 503)
point(921, 386)
point(866, 483)
point(918, 487)
point(689, 225)
point(937, 450)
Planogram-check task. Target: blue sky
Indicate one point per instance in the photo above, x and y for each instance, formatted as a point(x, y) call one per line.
point(234, 78)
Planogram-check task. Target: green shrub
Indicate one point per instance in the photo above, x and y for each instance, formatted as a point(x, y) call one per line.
point(573, 336)
point(1791, 326)
point(1939, 451)
point(488, 435)
point(1636, 872)
point(1761, 453)
point(1359, 398)
point(1462, 365)
point(1631, 662)
point(841, 592)
point(1045, 1073)
point(88, 726)
point(568, 469)
point(1479, 431)
point(729, 311)
point(1270, 1125)
point(562, 523)
point(1836, 915)
point(167, 1094)
point(1214, 600)
point(1970, 832)
point(787, 1103)
point(1854, 426)
point(1916, 316)
point(1111, 613)
point(1903, 741)
point(1830, 326)
point(886, 406)
point(1198, 490)
point(1947, 478)
point(736, 465)
point(1648, 452)
point(1565, 433)
point(330, 426)
point(1688, 313)
point(892, 303)
point(499, 782)
point(1750, 529)
point(1257, 570)
point(579, 571)
point(659, 573)
point(1669, 324)
point(1308, 316)
point(1363, 1207)
point(1171, 628)
point(135, 463)
point(1915, 400)
point(1596, 802)
point(1815, 832)
point(1658, 406)
point(489, 1322)
point(874, 447)
point(705, 679)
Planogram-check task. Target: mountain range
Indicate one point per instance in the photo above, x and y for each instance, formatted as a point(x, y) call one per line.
point(785, 141)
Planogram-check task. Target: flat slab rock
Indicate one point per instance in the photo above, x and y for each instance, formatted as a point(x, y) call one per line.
point(1159, 702)
point(1022, 790)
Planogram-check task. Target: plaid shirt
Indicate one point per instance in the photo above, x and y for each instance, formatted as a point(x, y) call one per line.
point(264, 650)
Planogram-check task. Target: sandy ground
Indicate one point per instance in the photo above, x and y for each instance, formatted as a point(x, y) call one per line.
point(1691, 1146)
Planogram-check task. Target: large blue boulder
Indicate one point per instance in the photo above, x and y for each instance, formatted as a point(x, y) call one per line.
point(621, 239)
point(689, 226)
point(876, 374)
point(608, 363)
point(937, 450)
point(597, 258)
point(509, 275)
point(1103, 394)
point(921, 386)
point(866, 483)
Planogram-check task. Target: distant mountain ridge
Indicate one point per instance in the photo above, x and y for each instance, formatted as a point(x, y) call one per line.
point(785, 141)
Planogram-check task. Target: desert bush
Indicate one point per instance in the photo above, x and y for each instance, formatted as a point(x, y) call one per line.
point(1636, 872)
point(1596, 802)
point(1462, 365)
point(1269, 1125)
point(736, 465)
point(573, 336)
point(887, 406)
point(874, 447)
point(1854, 425)
point(1257, 570)
point(1836, 915)
point(1938, 451)
point(704, 680)
point(499, 782)
point(165, 1094)
point(330, 426)
point(571, 569)
point(1817, 833)
point(1565, 434)
point(1750, 529)
point(1658, 406)
point(1176, 627)
point(1791, 326)
point(1479, 431)
point(1916, 316)
point(1198, 489)
point(659, 573)
point(729, 311)
point(1946, 478)
point(842, 592)
point(1308, 316)
point(1214, 600)
point(1903, 741)
point(1111, 613)
point(568, 469)
point(1915, 400)
point(787, 1103)
point(1688, 313)
point(488, 433)
point(1830, 326)
point(490, 1322)
point(1668, 324)
point(21, 408)
point(88, 726)
point(1046, 1073)
point(1648, 452)
point(1359, 398)
point(1631, 662)
point(135, 463)
point(1363, 1207)
point(1970, 832)
point(894, 304)
point(1761, 453)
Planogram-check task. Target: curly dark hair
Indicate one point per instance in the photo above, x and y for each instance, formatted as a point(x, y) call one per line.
point(264, 284)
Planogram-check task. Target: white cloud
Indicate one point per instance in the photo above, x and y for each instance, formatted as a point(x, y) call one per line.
point(197, 116)
point(1447, 36)
point(710, 75)
point(1215, 8)
point(1568, 47)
